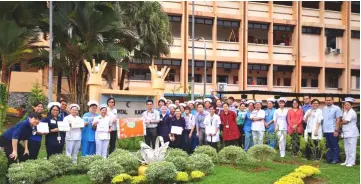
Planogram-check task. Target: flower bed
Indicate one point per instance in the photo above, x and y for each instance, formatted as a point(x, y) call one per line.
point(298, 175)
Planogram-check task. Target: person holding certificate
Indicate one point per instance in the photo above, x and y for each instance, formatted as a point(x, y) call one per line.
point(55, 139)
point(88, 133)
point(34, 142)
point(212, 123)
point(73, 136)
point(112, 114)
point(103, 126)
point(177, 126)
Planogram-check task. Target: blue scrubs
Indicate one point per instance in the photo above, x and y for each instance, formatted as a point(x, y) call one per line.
point(271, 140)
point(88, 135)
point(247, 128)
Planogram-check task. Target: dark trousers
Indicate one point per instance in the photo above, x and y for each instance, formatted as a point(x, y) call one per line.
point(34, 147)
point(233, 142)
point(53, 149)
point(112, 141)
point(177, 142)
point(333, 152)
point(151, 137)
point(295, 143)
point(240, 141)
point(187, 146)
point(213, 144)
point(312, 151)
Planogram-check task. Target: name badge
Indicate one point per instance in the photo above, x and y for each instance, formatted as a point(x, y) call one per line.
point(59, 138)
point(52, 121)
point(227, 126)
point(266, 114)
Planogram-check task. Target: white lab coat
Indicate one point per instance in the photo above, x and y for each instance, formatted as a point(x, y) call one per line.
point(75, 133)
point(350, 129)
point(315, 117)
point(211, 123)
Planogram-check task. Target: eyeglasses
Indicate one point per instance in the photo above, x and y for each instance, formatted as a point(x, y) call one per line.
point(149, 104)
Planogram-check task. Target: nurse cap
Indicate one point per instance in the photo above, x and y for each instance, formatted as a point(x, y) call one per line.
point(271, 100)
point(52, 104)
point(282, 99)
point(190, 102)
point(162, 98)
point(258, 101)
point(199, 100)
point(74, 105)
point(249, 101)
point(349, 99)
point(172, 105)
point(169, 100)
point(102, 106)
point(208, 100)
point(93, 102)
point(182, 104)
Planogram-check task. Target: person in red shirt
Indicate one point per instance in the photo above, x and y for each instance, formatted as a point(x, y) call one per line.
point(295, 126)
point(230, 128)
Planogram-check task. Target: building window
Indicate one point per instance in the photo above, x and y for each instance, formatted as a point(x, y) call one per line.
point(286, 3)
point(333, 5)
point(355, 34)
point(258, 33)
point(228, 23)
point(304, 83)
point(282, 35)
point(173, 18)
point(311, 30)
point(168, 62)
point(209, 78)
point(201, 21)
point(227, 65)
point(332, 81)
point(249, 81)
point(314, 83)
point(16, 67)
point(261, 81)
point(222, 78)
point(287, 82)
point(331, 42)
point(138, 74)
point(282, 28)
point(200, 64)
point(171, 76)
point(355, 76)
point(281, 68)
point(355, 7)
point(357, 82)
point(311, 4)
point(197, 78)
point(257, 67)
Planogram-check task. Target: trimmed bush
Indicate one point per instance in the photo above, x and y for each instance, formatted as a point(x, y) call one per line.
point(102, 171)
point(118, 152)
point(179, 162)
point(261, 152)
point(121, 178)
point(85, 162)
point(138, 180)
point(197, 175)
point(172, 152)
point(161, 172)
point(208, 150)
point(63, 163)
point(3, 164)
point(45, 169)
point(182, 177)
point(200, 162)
point(129, 163)
point(230, 154)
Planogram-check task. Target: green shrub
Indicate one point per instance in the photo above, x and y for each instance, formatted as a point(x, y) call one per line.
point(261, 152)
point(182, 177)
point(45, 169)
point(127, 161)
point(197, 175)
point(208, 150)
point(172, 152)
point(3, 164)
point(121, 178)
point(229, 154)
point(119, 151)
point(179, 162)
point(138, 180)
point(63, 163)
point(85, 162)
point(161, 172)
point(200, 162)
point(20, 173)
point(131, 143)
point(103, 171)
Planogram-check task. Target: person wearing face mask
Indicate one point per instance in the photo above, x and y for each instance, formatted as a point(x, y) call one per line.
point(163, 125)
point(280, 123)
point(103, 126)
point(55, 139)
point(350, 132)
point(258, 128)
point(88, 133)
point(331, 128)
point(247, 126)
point(112, 114)
point(177, 121)
point(313, 132)
point(34, 141)
point(212, 123)
point(73, 136)
point(295, 126)
point(269, 122)
point(189, 130)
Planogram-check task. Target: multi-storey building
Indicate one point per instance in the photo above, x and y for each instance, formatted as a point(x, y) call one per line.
point(288, 46)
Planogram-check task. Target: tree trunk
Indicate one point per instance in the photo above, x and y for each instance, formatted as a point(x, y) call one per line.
point(122, 80)
point(58, 85)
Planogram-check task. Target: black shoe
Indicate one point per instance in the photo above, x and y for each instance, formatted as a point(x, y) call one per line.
point(334, 162)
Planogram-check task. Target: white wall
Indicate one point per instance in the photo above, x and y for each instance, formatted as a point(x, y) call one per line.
point(355, 50)
point(310, 48)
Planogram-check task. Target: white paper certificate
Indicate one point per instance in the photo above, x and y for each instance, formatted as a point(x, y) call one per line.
point(77, 124)
point(42, 127)
point(210, 130)
point(176, 130)
point(63, 126)
point(103, 126)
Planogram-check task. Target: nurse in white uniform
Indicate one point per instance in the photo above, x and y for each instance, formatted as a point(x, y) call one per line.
point(280, 121)
point(73, 137)
point(350, 132)
point(103, 126)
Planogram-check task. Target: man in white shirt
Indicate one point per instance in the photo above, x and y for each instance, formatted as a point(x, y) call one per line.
point(151, 119)
point(212, 123)
point(257, 116)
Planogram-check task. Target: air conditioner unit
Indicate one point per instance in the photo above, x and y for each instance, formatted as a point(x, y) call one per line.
point(328, 50)
point(222, 86)
point(338, 51)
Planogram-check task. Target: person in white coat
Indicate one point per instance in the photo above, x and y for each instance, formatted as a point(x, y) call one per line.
point(313, 117)
point(258, 128)
point(103, 126)
point(73, 137)
point(212, 123)
point(280, 121)
point(350, 132)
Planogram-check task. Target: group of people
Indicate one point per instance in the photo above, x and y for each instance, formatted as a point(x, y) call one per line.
point(189, 124)
point(93, 133)
point(192, 123)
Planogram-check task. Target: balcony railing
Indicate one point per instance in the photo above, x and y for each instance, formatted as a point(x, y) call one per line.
point(228, 7)
point(333, 90)
point(172, 4)
point(257, 51)
point(176, 46)
point(257, 87)
point(227, 49)
point(333, 17)
point(283, 88)
point(202, 6)
point(310, 15)
point(355, 19)
point(282, 12)
point(199, 47)
point(310, 90)
point(355, 91)
point(257, 9)
point(282, 52)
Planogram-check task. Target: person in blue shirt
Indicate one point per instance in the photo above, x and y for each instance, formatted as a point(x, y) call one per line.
point(161, 103)
point(306, 106)
point(191, 107)
point(34, 142)
point(331, 128)
point(55, 139)
point(269, 123)
point(63, 112)
point(88, 133)
point(10, 139)
point(247, 126)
